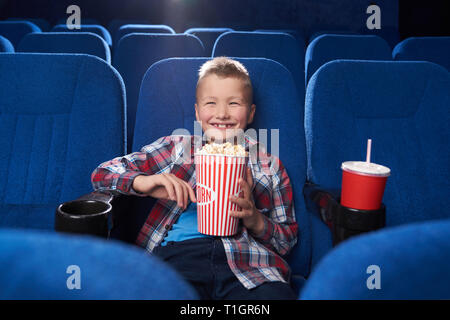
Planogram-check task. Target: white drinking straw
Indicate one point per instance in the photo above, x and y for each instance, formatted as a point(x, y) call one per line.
point(369, 149)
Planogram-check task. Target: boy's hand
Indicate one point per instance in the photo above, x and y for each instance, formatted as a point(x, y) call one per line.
point(250, 215)
point(165, 186)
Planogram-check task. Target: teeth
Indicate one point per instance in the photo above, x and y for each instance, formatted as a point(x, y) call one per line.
point(223, 125)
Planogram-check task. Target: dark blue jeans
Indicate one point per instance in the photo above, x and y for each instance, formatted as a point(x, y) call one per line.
point(203, 263)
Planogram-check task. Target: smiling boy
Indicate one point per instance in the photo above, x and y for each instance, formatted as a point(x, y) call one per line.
point(248, 265)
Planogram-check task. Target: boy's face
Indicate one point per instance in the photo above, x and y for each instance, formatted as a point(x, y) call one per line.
point(223, 106)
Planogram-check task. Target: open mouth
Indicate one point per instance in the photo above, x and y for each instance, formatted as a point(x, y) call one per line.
point(223, 125)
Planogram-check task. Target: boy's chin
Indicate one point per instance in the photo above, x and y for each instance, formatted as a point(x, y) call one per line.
point(222, 136)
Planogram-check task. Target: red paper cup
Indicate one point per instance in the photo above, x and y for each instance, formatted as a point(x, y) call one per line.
point(217, 178)
point(363, 185)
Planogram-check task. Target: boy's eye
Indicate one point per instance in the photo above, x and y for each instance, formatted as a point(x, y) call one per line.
point(210, 103)
point(234, 103)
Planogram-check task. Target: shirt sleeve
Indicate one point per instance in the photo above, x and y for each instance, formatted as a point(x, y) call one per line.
point(118, 174)
point(280, 228)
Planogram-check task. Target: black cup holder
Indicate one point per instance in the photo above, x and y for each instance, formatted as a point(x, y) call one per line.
point(84, 217)
point(348, 222)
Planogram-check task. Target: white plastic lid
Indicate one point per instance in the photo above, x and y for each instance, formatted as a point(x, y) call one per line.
point(367, 168)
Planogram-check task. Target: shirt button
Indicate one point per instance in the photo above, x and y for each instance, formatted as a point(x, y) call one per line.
point(167, 227)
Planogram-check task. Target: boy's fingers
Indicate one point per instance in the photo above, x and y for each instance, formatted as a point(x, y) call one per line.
point(249, 177)
point(185, 195)
point(245, 187)
point(188, 193)
point(169, 187)
point(238, 214)
point(243, 203)
point(178, 190)
point(191, 193)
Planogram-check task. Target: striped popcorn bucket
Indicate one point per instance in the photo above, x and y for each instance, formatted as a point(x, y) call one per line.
point(217, 178)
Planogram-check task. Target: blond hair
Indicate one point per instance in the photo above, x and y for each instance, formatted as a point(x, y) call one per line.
point(224, 67)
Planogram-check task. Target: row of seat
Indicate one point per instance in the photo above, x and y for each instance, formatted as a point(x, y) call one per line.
point(390, 34)
point(132, 64)
point(54, 105)
point(404, 263)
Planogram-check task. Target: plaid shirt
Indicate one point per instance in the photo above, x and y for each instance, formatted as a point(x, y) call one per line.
point(253, 258)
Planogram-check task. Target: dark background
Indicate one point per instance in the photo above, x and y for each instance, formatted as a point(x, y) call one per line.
point(406, 17)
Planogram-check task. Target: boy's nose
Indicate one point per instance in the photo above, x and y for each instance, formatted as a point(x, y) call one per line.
point(222, 111)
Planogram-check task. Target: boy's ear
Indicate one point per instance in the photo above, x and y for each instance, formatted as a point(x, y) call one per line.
point(252, 113)
point(196, 112)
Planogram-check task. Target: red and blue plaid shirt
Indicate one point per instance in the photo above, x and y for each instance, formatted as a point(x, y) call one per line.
point(253, 258)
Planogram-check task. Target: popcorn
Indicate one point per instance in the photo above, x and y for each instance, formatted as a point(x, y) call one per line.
point(227, 149)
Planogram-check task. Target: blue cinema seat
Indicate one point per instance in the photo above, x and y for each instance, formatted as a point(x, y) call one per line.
point(135, 53)
point(404, 263)
point(66, 42)
point(5, 45)
point(60, 116)
point(293, 32)
point(43, 24)
point(390, 34)
point(166, 103)
point(115, 24)
point(319, 33)
point(404, 108)
point(207, 36)
point(328, 47)
point(37, 265)
point(14, 31)
point(93, 28)
point(281, 47)
point(433, 49)
point(83, 21)
point(141, 28)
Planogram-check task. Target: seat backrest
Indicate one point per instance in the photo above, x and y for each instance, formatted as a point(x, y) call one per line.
point(60, 116)
point(278, 46)
point(141, 28)
point(132, 64)
point(14, 31)
point(293, 32)
point(433, 49)
point(208, 36)
point(83, 21)
point(45, 265)
point(328, 47)
point(166, 103)
point(115, 24)
point(43, 24)
point(404, 108)
point(66, 42)
point(390, 34)
point(92, 28)
point(404, 263)
point(5, 45)
point(318, 33)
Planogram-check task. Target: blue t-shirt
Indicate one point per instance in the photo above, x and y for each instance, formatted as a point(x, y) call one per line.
point(186, 226)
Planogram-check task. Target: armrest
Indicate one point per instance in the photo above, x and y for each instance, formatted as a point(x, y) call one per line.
point(319, 201)
point(104, 196)
point(129, 213)
point(343, 222)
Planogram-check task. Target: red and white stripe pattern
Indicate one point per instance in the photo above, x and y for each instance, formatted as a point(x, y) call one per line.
point(217, 178)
